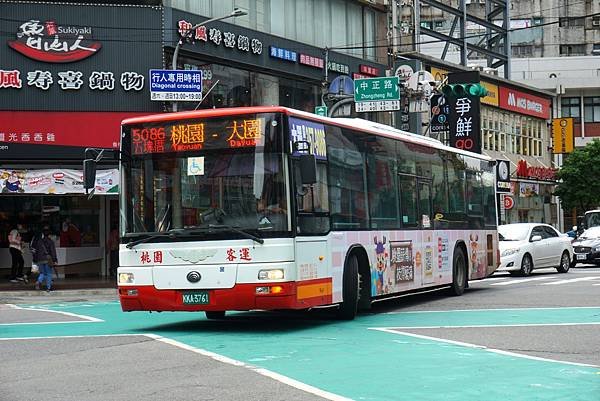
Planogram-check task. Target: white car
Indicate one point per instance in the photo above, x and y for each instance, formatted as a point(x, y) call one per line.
point(528, 246)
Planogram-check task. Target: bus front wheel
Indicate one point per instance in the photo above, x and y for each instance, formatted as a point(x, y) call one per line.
point(459, 272)
point(350, 291)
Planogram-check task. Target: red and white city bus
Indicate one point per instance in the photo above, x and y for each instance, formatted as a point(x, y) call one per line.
point(273, 208)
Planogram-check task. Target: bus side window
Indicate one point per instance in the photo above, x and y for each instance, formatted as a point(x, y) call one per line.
point(408, 200)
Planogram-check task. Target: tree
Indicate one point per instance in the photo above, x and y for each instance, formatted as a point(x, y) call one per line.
point(579, 178)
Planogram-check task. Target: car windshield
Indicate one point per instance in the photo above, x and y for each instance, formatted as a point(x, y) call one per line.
point(237, 185)
point(513, 232)
point(591, 233)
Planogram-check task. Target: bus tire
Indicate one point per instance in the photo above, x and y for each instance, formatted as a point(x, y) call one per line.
point(350, 291)
point(214, 314)
point(459, 272)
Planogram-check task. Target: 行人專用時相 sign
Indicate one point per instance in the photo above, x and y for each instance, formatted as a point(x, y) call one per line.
point(377, 94)
point(176, 85)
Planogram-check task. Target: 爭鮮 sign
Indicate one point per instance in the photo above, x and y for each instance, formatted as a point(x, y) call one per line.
point(176, 85)
point(377, 94)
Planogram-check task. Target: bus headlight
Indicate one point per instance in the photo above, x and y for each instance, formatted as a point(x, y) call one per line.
point(271, 274)
point(125, 278)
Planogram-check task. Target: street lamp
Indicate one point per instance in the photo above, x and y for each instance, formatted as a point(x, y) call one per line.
point(235, 13)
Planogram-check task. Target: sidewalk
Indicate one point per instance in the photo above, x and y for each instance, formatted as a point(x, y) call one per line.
point(64, 290)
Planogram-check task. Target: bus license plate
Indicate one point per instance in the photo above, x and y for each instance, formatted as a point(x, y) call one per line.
point(196, 298)
point(581, 256)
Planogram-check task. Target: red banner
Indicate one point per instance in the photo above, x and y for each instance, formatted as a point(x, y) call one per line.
point(80, 129)
point(524, 103)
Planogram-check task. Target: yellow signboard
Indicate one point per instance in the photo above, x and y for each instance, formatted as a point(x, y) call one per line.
point(562, 135)
point(439, 74)
point(492, 96)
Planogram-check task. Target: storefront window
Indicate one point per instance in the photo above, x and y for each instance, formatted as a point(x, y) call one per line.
point(233, 87)
point(73, 220)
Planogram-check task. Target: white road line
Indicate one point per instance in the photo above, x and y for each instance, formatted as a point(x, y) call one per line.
point(85, 319)
point(491, 279)
point(524, 280)
point(483, 348)
point(572, 280)
point(476, 326)
point(217, 357)
point(491, 309)
point(264, 372)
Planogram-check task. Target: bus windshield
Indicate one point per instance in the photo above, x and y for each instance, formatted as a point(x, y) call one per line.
point(209, 175)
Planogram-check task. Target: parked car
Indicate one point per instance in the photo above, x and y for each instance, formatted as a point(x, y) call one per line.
point(587, 246)
point(528, 246)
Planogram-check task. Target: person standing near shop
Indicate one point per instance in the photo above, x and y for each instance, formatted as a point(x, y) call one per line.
point(15, 246)
point(112, 246)
point(44, 255)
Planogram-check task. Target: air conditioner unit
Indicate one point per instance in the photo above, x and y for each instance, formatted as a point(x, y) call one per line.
point(596, 22)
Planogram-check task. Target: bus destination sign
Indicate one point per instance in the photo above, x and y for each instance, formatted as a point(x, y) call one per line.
point(195, 135)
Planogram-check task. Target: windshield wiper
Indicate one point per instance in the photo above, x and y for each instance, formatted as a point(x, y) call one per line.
point(237, 230)
point(172, 233)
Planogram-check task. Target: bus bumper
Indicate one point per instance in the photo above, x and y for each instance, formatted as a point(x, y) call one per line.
point(290, 295)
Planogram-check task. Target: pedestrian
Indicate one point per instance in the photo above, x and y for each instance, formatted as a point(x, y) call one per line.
point(44, 255)
point(15, 246)
point(113, 248)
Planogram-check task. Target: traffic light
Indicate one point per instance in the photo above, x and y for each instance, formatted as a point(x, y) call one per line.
point(458, 90)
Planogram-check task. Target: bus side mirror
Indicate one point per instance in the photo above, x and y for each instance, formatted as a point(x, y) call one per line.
point(308, 169)
point(89, 174)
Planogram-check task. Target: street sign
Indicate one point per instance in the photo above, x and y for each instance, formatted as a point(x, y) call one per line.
point(562, 135)
point(377, 94)
point(376, 89)
point(390, 105)
point(321, 111)
point(176, 85)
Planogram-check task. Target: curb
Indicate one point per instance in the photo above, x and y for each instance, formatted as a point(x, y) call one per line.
point(59, 293)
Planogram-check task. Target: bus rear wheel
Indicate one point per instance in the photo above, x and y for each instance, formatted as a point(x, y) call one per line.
point(459, 272)
point(215, 314)
point(350, 291)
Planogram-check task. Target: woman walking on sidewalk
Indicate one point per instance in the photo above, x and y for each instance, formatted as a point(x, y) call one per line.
point(44, 255)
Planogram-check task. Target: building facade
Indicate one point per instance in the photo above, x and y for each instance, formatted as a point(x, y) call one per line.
point(515, 127)
point(71, 72)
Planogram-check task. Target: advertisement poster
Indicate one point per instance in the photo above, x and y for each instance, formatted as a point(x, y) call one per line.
point(56, 181)
point(528, 189)
point(402, 261)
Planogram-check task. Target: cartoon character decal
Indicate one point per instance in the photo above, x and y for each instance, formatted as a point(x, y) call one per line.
point(476, 259)
point(381, 257)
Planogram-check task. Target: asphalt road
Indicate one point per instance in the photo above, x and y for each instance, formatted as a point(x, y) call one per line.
point(506, 338)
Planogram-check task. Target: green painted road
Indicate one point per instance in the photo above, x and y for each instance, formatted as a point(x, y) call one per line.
point(354, 359)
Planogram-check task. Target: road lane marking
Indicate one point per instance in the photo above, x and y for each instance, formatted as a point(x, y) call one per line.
point(573, 280)
point(476, 326)
point(524, 280)
point(491, 309)
point(481, 347)
point(261, 371)
point(217, 357)
point(85, 319)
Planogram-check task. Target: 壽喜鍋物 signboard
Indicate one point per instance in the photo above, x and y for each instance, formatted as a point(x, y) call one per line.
point(176, 85)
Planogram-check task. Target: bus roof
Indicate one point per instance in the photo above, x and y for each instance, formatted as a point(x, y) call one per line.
point(350, 123)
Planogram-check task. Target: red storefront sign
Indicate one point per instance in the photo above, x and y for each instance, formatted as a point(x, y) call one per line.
point(29, 133)
point(537, 173)
point(524, 103)
point(509, 202)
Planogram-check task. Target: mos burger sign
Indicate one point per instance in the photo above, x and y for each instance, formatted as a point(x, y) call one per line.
point(524, 103)
point(53, 43)
point(537, 173)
